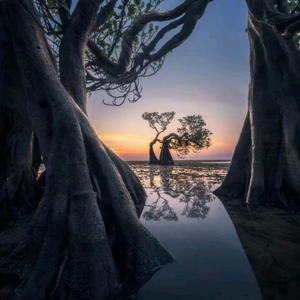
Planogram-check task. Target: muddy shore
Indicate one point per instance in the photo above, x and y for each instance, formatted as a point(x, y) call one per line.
point(271, 240)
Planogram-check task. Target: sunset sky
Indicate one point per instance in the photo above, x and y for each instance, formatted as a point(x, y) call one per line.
point(207, 75)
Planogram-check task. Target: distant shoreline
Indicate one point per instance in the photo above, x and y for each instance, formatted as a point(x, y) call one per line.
point(188, 160)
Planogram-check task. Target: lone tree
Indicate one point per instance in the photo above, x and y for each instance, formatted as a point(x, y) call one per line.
point(265, 167)
point(191, 136)
point(85, 240)
point(159, 123)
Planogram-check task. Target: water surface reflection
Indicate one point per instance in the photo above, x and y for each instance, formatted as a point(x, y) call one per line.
point(192, 224)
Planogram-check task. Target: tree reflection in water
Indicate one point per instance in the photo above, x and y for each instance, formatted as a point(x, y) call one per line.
point(160, 210)
point(184, 186)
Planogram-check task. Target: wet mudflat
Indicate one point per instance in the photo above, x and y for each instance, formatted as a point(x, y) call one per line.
point(270, 238)
point(193, 225)
point(216, 243)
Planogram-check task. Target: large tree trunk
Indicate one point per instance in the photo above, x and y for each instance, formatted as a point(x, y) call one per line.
point(152, 157)
point(85, 240)
point(265, 167)
point(165, 155)
point(16, 176)
point(153, 160)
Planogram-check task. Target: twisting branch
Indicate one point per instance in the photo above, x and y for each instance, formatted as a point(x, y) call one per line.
point(63, 11)
point(103, 67)
point(45, 11)
point(118, 35)
point(125, 90)
point(142, 64)
point(295, 9)
point(103, 15)
point(194, 13)
point(283, 6)
point(73, 43)
point(139, 24)
point(69, 3)
point(102, 61)
point(262, 11)
point(162, 33)
point(63, 5)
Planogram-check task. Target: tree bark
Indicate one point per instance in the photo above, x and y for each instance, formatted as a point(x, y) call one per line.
point(152, 157)
point(71, 50)
point(16, 176)
point(36, 155)
point(85, 240)
point(265, 167)
point(165, 155)
point(237, 178)
point(153, 160)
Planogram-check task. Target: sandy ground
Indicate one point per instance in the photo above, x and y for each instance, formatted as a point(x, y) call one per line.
point(271, 240)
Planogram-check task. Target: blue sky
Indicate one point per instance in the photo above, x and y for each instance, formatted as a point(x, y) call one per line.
point(207, 75)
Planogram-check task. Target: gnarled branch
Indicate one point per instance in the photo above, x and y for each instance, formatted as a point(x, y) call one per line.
point(73, 43)
point(162, 33)
point(103, 15)
point(194, 13)
point(285, 24)
point(139, 24)
point(112, 73)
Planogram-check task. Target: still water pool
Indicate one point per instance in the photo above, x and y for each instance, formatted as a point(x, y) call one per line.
point(193, 225)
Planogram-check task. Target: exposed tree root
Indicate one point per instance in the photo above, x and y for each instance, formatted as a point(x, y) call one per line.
point(85, 240)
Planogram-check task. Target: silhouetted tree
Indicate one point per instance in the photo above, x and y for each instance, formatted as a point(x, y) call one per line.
point(265, 167)
point(85, 240)
point(159, 123)
point(191, 136)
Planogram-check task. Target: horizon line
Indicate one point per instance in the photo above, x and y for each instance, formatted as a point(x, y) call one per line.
point(144, 160)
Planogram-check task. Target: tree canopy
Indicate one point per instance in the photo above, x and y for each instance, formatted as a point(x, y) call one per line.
point(193, 136)
point(159, 122)
point(121, 39)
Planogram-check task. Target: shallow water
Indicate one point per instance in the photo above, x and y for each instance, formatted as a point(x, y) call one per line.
point(193, 225)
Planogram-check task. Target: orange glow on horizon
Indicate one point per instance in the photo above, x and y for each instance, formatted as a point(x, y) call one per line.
point(123, 138)
point(137, 148)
